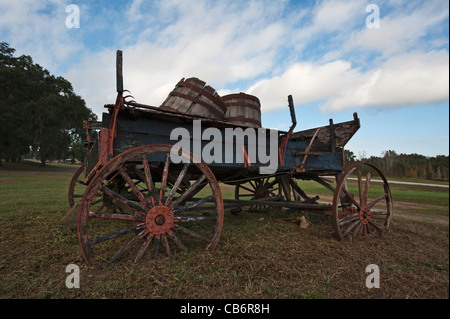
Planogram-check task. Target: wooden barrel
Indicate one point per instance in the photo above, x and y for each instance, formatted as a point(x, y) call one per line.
point(192, 96)
point(243, 109)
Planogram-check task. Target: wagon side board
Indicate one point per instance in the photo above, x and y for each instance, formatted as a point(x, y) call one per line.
point(134, 131)
point(330, 136)
point(322, 155)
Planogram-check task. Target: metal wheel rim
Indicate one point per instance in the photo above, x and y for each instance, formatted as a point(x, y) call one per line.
point(361, 216)
point(141, 228)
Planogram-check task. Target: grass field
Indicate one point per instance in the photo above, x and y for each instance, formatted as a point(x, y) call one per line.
point(262, 255)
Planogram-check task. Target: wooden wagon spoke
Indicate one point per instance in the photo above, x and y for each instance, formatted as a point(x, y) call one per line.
point(143, 249)
point(366, 220)
point(352, 198)
point(156, 247)
point(351, 227)
point(100, 208)
point(100, 200)
point(366, 189)
point(122, 199)
point(124, 217)
point(273, 182)
point(191, 233)
point(76, 185)
point(166, 244)
point(133, 186)
point(176, 240)
point(360, 189)
point(177, 183)
point(162, 191)
point(194, 204)
point(246, 195)
point(350, 172)
point(111, 178)
point(187, 193)
point(246, 188)
point(364, 229)
point(372, 227)
point(200, 208)
point(378, 229)
point(377, 199)
point(357, 229)
point(149, 180)
point(378, 212)
point(349, 218)
point(150, 210)
point(115, 234)
point(128, 245)
point(196, 219)
point(263, 188)
point(272, 191)
point(378, 217)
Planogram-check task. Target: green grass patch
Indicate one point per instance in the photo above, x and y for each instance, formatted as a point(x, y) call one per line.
point(260, 255)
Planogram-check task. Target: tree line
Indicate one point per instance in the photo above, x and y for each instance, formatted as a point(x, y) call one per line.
point(406, 165)
point(39, 112)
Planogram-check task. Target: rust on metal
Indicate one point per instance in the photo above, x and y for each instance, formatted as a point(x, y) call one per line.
point(156, 220)
point(353, 215)
point(159, 220)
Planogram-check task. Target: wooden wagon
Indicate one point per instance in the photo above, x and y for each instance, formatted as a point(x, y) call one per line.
point(142, 189)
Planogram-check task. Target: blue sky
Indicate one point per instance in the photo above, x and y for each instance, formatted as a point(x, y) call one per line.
point(396, 76)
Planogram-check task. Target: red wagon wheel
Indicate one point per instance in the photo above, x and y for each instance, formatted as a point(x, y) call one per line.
point(259, 188)
point(77, 187)
point(154, 214)
point(371, 210)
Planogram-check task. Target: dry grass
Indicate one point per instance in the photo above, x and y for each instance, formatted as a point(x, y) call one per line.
point(259, 256)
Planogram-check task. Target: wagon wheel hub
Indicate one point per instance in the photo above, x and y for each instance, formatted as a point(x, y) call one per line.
point(261, 192)
point(364, 215)
point(159, 220)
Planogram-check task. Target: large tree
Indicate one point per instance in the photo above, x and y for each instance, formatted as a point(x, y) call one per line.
point(38, 110)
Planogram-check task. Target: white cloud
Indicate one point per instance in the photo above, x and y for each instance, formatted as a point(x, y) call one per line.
point(307, 82)
point(406, 79)
point(337, 14)
point(402, 29)
point(212, 43)
point(317, 52)
point(94, 79)
point(38, 28)
point(399, 64)
point(410, 78)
